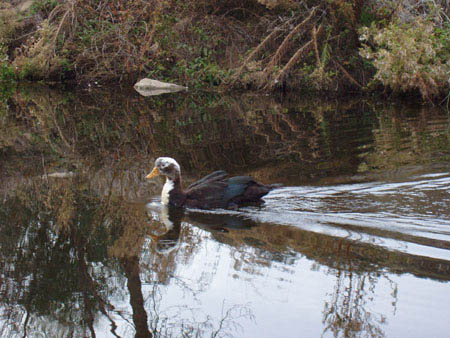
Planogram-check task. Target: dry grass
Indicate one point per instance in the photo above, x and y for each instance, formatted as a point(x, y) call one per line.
point(412, 56)
point(95, 40)
point(8, 24)
point(256, 44)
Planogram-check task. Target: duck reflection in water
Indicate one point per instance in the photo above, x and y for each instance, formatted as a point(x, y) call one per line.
point(166, 241)
point(172, 217)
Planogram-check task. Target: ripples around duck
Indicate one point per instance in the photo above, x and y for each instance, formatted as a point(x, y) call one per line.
point(411, 216)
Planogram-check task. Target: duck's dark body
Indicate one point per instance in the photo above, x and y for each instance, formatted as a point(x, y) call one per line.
point(215, 190)
point(218, 191)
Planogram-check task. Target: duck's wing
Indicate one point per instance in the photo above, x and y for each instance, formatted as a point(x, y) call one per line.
point(218, 191)
point(213, 177)
point(236, 186)
point(207, 194)
point(244, 189)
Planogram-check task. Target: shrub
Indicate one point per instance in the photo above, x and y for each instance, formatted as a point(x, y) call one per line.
point(8, 26)
point(6, 70)
point(410, 56)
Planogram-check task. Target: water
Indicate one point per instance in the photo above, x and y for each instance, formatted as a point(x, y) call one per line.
point(354, 243)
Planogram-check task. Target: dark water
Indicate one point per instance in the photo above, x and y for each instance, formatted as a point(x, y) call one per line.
point(355, 243)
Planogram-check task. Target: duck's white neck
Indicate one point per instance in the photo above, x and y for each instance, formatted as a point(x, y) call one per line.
point(168, 186)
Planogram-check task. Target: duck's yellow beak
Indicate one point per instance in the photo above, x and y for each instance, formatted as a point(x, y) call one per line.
point(155, 172)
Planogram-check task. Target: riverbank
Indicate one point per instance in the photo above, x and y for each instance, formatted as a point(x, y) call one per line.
point(333, 47)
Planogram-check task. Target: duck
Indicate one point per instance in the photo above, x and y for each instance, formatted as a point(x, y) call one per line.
point(214, 191)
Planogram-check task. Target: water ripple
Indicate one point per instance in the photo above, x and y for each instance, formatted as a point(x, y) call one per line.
point(410, 216)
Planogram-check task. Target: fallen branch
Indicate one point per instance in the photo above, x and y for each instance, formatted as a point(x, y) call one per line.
point(283, 47)
point(302, 50)
point(256, 51)
point(293, 60)
point(347, 74)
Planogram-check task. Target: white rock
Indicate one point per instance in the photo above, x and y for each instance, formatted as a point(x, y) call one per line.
point(148, 87)
point(63, 174)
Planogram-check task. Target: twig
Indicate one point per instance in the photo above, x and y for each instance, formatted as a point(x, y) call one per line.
point(53, 12)
point(446, 98)
point(59, 28)
point(43, 167)
point(316, 48)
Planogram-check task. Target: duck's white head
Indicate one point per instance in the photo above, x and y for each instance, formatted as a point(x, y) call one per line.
point(165, 166)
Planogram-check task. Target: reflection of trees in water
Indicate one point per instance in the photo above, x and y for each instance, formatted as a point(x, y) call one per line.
point(248, 134)
point(70, 257)
point(405, 137)
point(48, 266)
point(285, 140)
point(347, 313)
point(131, 268)
point(361, 271)
point(203, 131)
point(157, 268)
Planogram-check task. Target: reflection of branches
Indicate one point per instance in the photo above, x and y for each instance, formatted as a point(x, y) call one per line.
point(185, 320)
point(25, 323)
point(186, 287)
point(227, 322)
point(53, 254)
point(131, 268)
point(346, 315)
point(172, 321)
point(89, 292)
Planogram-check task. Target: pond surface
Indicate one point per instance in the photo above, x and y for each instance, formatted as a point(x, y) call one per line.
point(354, 243)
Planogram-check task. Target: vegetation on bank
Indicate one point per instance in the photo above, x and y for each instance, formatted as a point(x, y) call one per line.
point(329, 45)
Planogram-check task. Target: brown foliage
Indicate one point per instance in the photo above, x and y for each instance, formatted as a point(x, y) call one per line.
point(411, 56)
